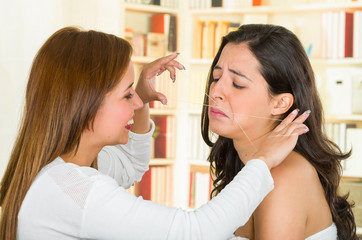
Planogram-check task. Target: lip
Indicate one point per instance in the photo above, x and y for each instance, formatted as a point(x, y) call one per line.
point(214, 112)
point(128, 126)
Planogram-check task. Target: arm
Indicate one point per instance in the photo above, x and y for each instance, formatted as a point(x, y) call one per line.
point(125, 216)
point(127, 163)
point(112, 213)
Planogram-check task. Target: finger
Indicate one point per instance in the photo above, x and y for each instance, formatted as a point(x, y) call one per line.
point(177, 64)
point(167, 59)
point(172, 71)
point(162, 98)
point(302, 117)
point(160, 71)
point(286, 121)
point(301, 130)
point(296, 128)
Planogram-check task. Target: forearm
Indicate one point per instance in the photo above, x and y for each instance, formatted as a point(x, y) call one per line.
point(142, 120)
point(126, 217)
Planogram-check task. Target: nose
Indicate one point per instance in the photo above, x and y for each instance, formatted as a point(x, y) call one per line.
point(216, 91)
point(137, 102)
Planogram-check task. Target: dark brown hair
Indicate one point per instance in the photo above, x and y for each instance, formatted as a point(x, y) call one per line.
point(69, 78)
point(286, 68)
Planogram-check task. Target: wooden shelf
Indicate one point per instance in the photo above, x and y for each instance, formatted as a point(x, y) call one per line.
point(351, 179)
point(200, 166)
point(154, 111)
point(344, 118)
point(161, 162)
point(300, 8)
point(337, 62)
point(149, 8)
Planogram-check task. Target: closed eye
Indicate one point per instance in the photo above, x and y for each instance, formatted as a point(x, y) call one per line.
point(238, 86)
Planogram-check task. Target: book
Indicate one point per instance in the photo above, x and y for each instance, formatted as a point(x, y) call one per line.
point(347, 45)
point(155, 44)
point(198, 34)
point(165, 24)
point(172, 35)
point(139, 43)
point(161, 138)
point(144, 186)
point(216, 3)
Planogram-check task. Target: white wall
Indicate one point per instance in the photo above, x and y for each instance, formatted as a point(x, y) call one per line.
point(24, 27)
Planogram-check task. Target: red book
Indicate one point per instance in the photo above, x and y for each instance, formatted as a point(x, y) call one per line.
point(160, 140)
point(144, 186)
point(348, 42)
point(159, 23)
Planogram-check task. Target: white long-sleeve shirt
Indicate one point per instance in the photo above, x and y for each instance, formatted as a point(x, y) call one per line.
point(67, 201)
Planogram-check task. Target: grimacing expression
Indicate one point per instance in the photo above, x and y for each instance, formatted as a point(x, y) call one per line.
point(240, 92)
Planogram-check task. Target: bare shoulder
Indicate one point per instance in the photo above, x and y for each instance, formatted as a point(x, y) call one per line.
point(284, 212)
point(295, 169)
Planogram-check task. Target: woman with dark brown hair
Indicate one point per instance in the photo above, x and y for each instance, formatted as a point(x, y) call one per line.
point(79, 110)
point(259, 75)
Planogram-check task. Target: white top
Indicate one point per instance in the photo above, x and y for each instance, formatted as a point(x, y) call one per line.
point(67, 201)
point(330, 233)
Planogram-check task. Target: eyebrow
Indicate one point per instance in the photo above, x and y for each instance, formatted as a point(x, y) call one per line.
point(234, 72)
point(129, 86)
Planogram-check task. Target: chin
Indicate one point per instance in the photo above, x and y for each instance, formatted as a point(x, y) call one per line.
point(219, 130)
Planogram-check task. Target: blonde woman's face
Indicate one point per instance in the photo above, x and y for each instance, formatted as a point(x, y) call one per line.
point(239, 95)
point(112, 121)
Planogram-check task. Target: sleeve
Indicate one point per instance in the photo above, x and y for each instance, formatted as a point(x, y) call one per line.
point(112, 213)
point(127, 163)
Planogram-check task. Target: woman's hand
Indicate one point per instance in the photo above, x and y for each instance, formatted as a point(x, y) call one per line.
point(282, 140)
point(146, 84)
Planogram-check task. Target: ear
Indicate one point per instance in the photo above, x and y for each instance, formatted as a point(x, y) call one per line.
point(281, 103)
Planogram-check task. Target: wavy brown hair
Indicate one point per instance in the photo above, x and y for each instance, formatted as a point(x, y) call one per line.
point(286, 68)
point(69, 78)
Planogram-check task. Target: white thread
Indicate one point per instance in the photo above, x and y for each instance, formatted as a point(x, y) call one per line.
point(233, 117)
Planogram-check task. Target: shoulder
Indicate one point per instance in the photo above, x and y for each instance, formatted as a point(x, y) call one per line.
point(293, 181)
point(294, 172)
point(285, 210)
point(68, 175)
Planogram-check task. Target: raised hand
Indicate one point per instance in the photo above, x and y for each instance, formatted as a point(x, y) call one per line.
point(146, 84)
point(282, 140)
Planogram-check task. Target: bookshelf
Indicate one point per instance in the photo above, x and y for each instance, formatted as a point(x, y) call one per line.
point(149, 44)
point(188, 162)
point(329, 59)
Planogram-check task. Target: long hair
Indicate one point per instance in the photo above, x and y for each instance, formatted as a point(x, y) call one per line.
point(69, 78)
point(286, 68)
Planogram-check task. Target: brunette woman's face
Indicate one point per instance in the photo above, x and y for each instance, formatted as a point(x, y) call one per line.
point(113, 119)
point(239, 95)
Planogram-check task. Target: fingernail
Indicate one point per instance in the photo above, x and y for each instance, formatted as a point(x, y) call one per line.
point(174, 78)
point(295, 111)
point(183, 67)
point(306, 129)
point(178, 53)
point(164, 101)
point(306, 113)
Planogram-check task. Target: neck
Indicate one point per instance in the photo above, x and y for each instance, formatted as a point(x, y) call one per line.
point(246, 148)
point(84, 155)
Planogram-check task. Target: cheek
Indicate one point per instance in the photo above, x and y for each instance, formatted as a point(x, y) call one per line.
point(112, 118)
point(250, 108)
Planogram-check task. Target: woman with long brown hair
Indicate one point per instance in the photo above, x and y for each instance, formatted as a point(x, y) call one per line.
point(80, 106)
point(260, 74)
